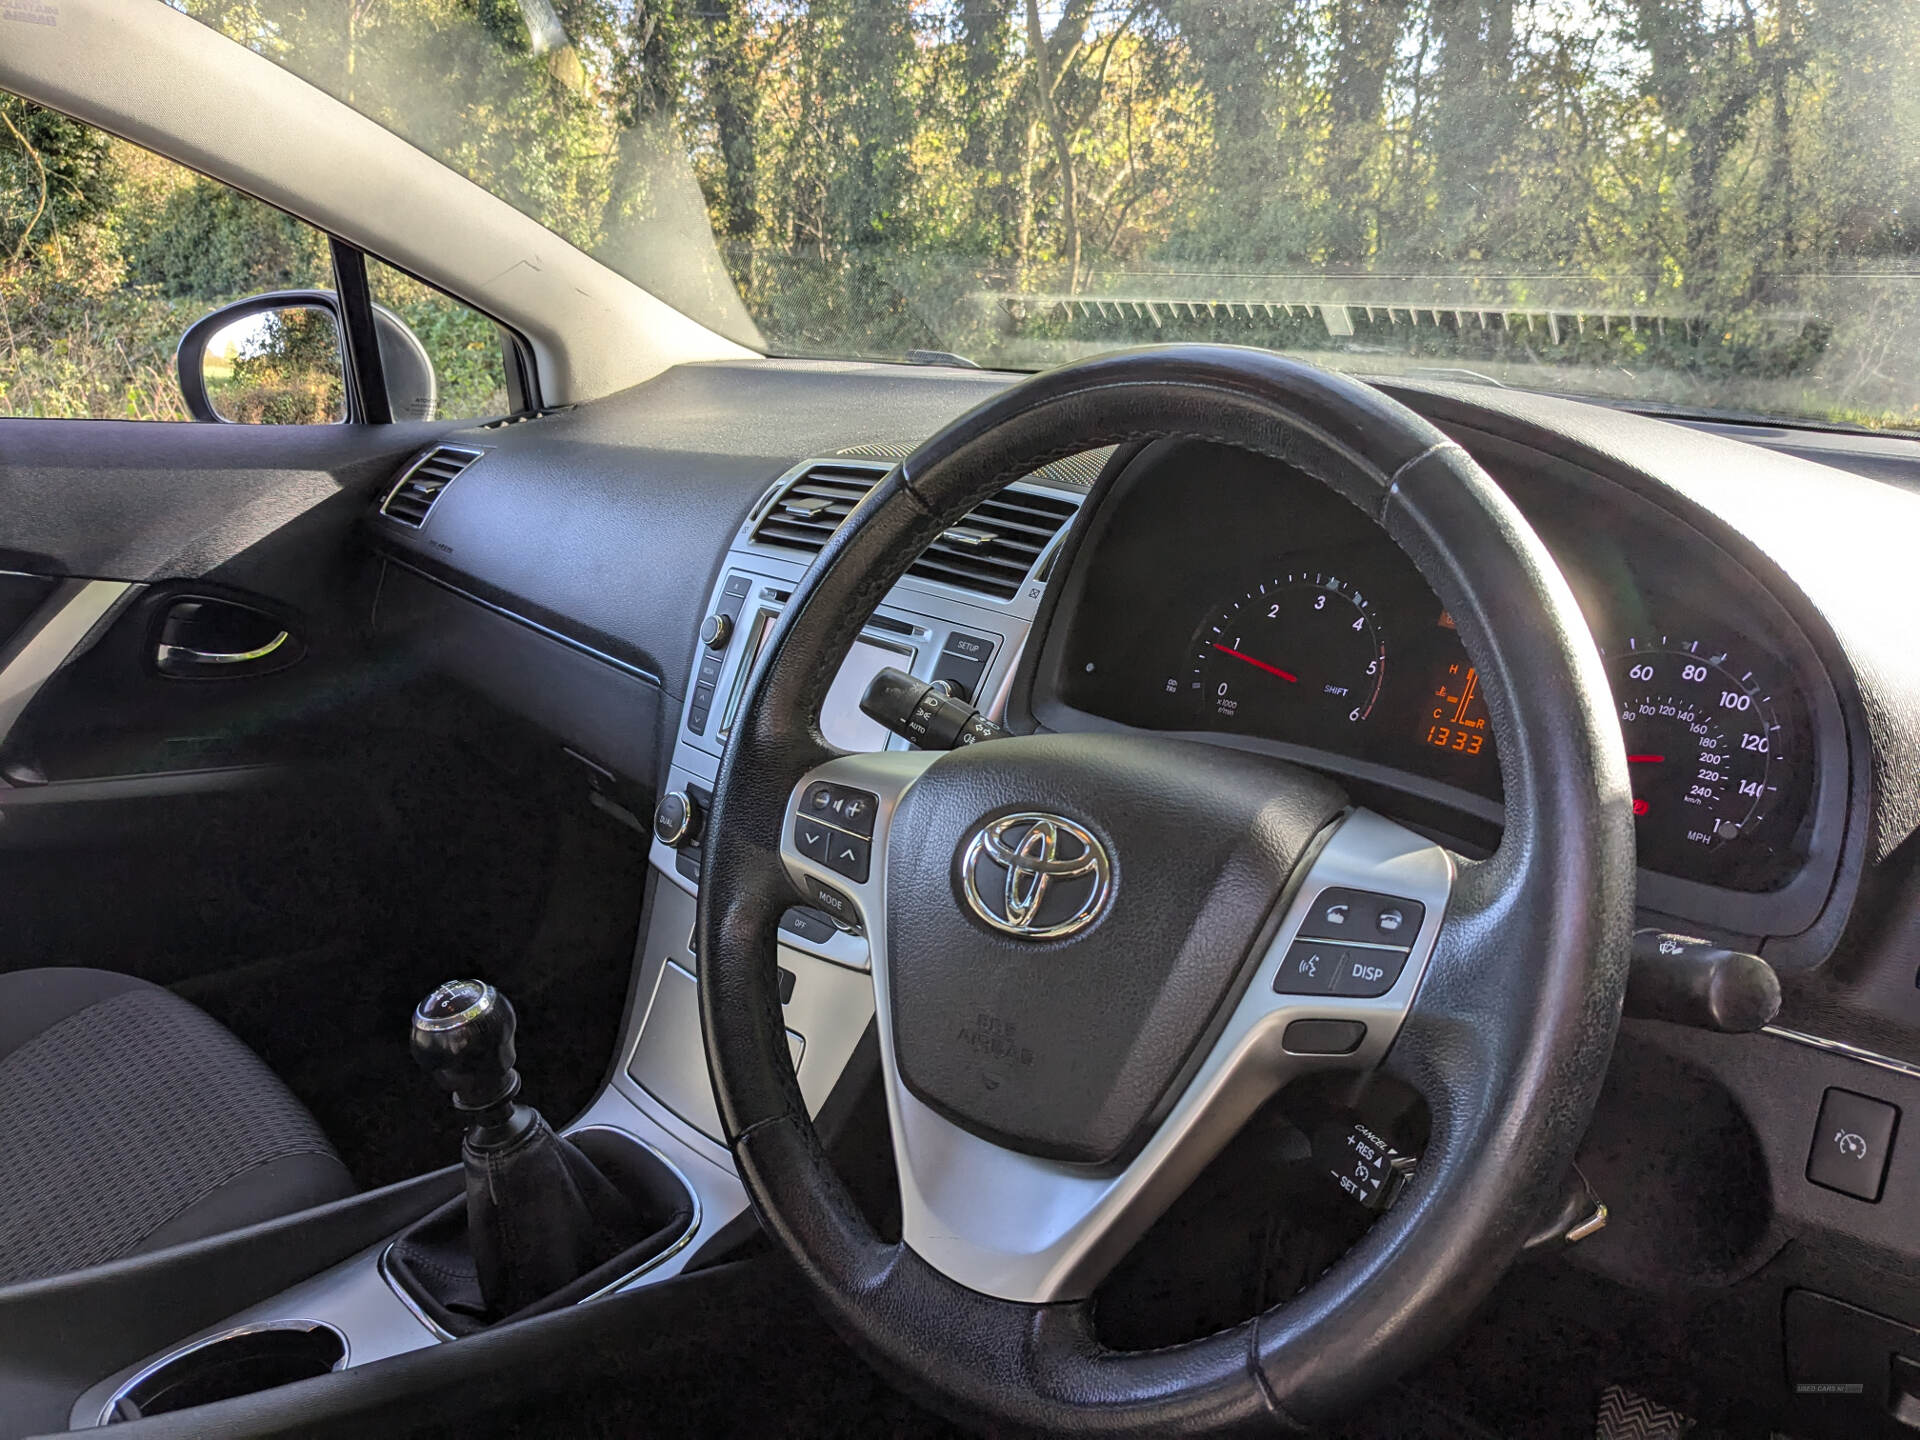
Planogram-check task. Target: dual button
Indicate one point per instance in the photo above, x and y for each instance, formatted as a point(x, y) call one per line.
point(1353, 943)
point(835, 828)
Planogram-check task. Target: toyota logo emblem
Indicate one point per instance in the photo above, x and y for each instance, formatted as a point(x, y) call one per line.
point(1035, 875)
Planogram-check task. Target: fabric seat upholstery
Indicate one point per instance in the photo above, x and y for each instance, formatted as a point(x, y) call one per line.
point(130, 1120)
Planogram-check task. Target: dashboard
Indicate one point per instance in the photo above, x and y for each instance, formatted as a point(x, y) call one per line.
point(1218, 596)
point(1753, 608)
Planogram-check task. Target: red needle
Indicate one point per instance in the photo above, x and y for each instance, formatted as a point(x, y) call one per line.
point(1646, 759)
point(1257, 664)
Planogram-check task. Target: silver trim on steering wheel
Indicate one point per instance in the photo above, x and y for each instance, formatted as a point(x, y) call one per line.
point(1027, 1229)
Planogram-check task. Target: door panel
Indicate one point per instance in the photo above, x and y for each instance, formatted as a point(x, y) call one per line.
point(137, 500)
point(165, 824)
point(20, 596)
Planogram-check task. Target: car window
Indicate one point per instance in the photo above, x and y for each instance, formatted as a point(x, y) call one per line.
point(1707, 205)
point(109, 252)
point(464, 346)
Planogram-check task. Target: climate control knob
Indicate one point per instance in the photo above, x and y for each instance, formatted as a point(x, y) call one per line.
point(676, 819)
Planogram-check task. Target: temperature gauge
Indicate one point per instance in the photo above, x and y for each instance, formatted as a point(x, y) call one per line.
point(1456, 717)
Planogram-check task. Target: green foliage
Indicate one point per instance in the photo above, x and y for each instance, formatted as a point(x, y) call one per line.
point(99, 279)
point(285, 370)
point(463, 345)
point(54, 177)
point(1699, 201)
point(75, 339)
point(71, 348)
point(208, 242)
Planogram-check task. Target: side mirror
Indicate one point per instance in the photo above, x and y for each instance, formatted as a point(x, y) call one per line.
point(279, 359)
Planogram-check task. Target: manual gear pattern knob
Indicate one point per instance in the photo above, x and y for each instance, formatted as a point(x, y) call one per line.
point(463, 1037)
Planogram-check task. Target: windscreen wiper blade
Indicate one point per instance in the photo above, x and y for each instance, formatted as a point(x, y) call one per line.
point(940, 357)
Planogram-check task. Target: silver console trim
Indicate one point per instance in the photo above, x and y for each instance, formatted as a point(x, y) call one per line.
point(653, 1262)
point(57, 631)
point(1843, 1049)
point(153, 1367)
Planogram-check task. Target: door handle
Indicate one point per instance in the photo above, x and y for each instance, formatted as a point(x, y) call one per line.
point(171, 655)
point(200, 637)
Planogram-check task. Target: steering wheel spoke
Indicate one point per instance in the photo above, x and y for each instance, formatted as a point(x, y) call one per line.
point(834, 841)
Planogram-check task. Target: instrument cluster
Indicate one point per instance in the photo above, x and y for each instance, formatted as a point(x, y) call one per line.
point(1217, 599)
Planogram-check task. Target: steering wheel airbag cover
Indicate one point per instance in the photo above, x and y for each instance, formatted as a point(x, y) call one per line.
point(1064, 1047)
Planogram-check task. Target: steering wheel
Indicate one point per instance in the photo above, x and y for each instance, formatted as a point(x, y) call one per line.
point(1084, 955)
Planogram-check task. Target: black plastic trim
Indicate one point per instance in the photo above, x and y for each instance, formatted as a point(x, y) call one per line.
point(637, 672)
point(366, 371)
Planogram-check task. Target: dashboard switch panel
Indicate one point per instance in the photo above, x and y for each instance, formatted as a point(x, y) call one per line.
point(1851, 1143)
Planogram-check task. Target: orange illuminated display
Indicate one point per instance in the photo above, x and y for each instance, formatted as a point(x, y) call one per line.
point(1458, 716)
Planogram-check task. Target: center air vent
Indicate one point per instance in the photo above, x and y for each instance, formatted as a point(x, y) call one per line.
point(420, 484)
point(809, 510)
point(994, 549)
point(990, 552)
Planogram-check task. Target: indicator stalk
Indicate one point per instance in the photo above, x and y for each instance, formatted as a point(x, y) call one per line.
point(925, 715)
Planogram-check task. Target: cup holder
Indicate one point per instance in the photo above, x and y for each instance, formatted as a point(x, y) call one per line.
point(240, 1362)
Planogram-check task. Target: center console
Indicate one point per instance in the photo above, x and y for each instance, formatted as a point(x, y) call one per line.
point(959, 620)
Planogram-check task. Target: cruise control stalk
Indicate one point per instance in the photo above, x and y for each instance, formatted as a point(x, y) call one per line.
point(925, 714)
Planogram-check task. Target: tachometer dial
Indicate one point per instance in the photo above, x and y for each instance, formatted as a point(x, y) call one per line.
point(1705, 749)
point(1301, 644)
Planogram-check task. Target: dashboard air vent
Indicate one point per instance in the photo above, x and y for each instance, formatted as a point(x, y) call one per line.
point(808, 511)
point(995, 548)
point(420, 484)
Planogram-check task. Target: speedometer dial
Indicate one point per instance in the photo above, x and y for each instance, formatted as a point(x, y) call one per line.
point(1302, 645)
point(1705, 749)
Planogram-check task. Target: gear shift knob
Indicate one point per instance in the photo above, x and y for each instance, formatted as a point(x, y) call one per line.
point(463, 1038)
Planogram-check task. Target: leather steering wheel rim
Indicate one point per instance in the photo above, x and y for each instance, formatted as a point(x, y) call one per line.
point(1509, 1031)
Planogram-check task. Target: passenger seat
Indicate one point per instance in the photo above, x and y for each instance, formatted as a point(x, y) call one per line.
point(131, 1121)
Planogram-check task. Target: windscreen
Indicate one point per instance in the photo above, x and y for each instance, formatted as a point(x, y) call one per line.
point(1707, 204)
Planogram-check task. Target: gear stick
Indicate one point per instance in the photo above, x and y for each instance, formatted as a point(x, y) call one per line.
point(539, 1213)
point(463, 1037)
